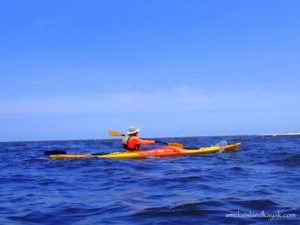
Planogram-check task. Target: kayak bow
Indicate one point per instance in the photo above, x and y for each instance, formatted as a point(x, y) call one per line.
point(158, 152)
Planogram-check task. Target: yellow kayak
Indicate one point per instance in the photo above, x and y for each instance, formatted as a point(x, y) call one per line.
point(158, 152)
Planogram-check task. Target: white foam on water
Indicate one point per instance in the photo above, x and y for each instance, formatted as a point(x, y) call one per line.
point(224, 142)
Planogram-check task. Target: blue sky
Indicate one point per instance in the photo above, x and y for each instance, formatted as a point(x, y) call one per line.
point(76, 69)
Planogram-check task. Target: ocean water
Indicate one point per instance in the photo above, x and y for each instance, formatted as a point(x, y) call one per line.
point(258, 184)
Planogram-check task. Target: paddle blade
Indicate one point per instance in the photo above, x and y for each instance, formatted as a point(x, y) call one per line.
point(116, 134)
point(55, 152)
point(176, 145)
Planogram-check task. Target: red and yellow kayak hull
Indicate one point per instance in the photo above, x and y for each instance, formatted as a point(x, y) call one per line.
point(158, 152)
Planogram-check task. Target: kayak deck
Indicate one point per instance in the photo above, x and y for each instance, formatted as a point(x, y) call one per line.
point(158, 152)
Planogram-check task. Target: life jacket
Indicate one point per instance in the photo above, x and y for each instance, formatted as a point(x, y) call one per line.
point(125, 141)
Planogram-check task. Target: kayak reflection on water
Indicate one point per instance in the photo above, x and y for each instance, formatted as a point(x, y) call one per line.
point(132, 142)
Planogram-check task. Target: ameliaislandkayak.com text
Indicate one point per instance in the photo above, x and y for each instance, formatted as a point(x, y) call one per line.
point(262, 214)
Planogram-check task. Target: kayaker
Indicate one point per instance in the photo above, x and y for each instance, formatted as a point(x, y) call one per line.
point(132, 143)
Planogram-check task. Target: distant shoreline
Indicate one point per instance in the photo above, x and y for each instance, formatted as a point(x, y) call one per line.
point(239, 135)
point(284, 133)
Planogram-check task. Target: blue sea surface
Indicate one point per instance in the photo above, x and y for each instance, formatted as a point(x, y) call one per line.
point(258, 184)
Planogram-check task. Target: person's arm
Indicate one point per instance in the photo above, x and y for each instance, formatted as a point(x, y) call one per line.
point(137, 141)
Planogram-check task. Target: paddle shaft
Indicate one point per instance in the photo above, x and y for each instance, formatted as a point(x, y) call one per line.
point(177, 145)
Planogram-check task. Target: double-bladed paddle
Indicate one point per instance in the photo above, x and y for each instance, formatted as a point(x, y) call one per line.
point(115, 134)
point(176, 145)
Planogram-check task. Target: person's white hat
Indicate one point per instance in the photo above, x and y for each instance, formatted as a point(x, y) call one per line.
point(132, 130)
